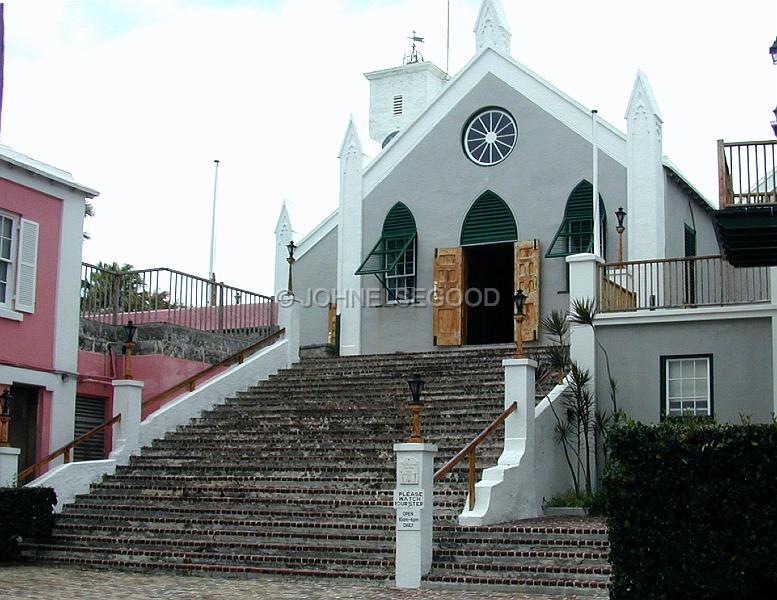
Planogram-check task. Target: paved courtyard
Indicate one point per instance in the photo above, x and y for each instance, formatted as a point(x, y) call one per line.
point(73, 583)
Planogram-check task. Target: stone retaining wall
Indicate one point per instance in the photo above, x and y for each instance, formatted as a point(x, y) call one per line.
point(166, 339)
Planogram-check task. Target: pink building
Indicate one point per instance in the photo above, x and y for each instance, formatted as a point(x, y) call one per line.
point(41, 232)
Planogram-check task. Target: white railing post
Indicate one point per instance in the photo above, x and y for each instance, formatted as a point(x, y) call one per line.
point(507, 491)
point(289, 315)
point(127, 400)
point(413, 500)
point(9, 466)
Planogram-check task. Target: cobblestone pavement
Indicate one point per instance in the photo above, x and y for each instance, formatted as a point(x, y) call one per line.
point(72, 583)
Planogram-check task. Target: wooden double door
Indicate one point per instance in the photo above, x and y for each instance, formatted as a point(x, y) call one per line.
point(473, 293)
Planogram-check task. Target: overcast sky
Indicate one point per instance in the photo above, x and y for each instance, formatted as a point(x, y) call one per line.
point(137, 98)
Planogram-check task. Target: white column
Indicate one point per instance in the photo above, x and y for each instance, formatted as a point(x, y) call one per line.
point(583, 279)
point(519, 426)
point(127, 400)
point(773, 300)
point(413, 500)
point(583, 284)
point(9, 466)
point(349, 242)
point(289, 315)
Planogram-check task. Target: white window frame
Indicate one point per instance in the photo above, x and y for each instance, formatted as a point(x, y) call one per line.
point(688, 388)
point(7, 302)
point(397, 278)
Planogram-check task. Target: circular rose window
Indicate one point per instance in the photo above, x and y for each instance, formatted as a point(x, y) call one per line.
point(490, 136)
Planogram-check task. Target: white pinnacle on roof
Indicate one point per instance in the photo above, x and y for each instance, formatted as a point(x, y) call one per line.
point(491, 28)
point(642, 99)
point(284, 222)
point(350, 140)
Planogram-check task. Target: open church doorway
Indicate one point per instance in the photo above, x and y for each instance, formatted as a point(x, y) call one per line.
point(489, 292)
point(489, 262)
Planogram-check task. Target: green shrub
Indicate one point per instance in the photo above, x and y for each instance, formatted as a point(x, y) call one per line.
point(568, 498)
point(692, 511)
point(24, 512)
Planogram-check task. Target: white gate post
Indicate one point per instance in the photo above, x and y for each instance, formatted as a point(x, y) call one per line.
point(413, 501)
point(9, 466)
point(127, 401)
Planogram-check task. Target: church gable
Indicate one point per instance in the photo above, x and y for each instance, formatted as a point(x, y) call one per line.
point(488, 65)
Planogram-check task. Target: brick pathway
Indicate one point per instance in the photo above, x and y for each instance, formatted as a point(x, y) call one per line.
point(67, 583)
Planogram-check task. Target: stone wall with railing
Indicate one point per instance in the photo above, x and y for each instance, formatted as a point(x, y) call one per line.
point(167, 339)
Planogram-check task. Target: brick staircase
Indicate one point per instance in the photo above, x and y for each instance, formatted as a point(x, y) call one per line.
point(296, 474)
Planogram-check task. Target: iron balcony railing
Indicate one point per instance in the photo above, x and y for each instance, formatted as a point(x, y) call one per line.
point(747, 173)
point(167, 296)
point(679, 283)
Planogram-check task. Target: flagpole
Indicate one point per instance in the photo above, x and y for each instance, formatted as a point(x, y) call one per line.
point(597, 250)
point(448, 44)
point(213, 222)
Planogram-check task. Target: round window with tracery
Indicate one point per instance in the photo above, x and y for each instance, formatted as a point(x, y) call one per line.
point(490, 136)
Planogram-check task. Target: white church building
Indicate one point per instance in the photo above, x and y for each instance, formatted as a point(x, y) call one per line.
point(485, 185)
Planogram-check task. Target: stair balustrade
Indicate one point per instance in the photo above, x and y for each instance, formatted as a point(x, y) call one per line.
point(66, 449)
point(469, 452)
point(189, 384)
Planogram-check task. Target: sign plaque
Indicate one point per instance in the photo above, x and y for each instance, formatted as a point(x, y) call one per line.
point(408, 499)
point(409, 519)
point(409, 471)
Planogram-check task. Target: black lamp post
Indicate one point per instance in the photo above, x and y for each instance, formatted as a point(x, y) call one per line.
point(520, 301)
point(291, 260)
point(5, 416)
point(774, 123)
point(129, 343)
point(620, 214)
point(416, 405)
point(773, 51)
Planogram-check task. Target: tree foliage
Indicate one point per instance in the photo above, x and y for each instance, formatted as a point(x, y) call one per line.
point(117, 287)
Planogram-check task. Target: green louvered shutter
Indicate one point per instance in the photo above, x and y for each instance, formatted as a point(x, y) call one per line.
point(399, 231)
point(488, 221)
point(575, 234)
point(399, 222)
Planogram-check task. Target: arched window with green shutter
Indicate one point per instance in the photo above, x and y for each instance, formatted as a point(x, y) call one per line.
point(393, 258)
point(488, 221)
point(576, 232)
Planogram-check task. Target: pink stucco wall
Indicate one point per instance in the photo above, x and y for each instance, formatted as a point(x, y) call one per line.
point(156, 371)
point(33, 338)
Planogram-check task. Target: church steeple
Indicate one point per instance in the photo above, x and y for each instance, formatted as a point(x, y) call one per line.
point(491, 28)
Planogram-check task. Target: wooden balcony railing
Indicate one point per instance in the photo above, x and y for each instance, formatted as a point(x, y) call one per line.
point(747, 173)
point(469, 452)
point(679, 283)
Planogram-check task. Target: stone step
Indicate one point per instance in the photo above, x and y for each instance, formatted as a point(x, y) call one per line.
point(521, 580)
point(215, 562)
point(296, 474)
point(246, 546)
point(228, 531)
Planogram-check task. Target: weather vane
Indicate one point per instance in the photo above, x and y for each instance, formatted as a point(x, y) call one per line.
point(413, 56)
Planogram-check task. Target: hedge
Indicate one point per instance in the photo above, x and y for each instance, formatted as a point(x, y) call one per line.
point(692, 511)
point(24, 512)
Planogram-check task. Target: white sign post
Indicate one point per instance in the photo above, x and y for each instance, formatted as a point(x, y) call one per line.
point(413, 503)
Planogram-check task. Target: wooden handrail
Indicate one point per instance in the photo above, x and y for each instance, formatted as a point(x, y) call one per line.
point(67, 448)
point(238, 357)
point(469, 450)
